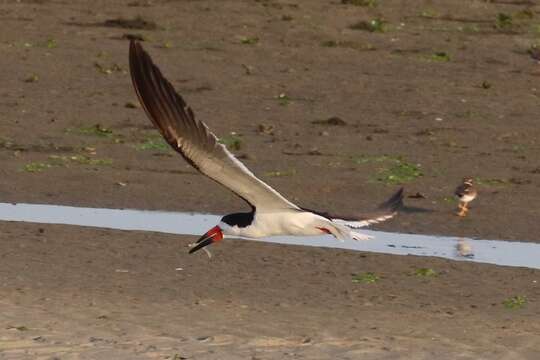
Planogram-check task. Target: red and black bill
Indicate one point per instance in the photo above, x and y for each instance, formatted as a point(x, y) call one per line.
point(213, 235)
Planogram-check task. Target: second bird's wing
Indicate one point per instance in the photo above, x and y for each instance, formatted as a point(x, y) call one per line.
point(384, 211)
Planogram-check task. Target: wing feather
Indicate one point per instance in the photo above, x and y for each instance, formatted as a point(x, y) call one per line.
point(192, 139)
point(384, 211)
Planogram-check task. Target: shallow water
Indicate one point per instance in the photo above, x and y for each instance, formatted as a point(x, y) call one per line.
point(485, 251)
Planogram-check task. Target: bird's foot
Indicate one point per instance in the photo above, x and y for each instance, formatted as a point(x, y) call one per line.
point(463, 210)
point(360, 237)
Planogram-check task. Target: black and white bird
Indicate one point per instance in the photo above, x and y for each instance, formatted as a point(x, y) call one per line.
point(465, 192)
point(271, 214)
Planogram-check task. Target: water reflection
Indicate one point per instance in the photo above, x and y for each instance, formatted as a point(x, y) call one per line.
point(464, 248)
point(486, 251)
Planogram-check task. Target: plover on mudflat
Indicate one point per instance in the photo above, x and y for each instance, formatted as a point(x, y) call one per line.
point(466, 193)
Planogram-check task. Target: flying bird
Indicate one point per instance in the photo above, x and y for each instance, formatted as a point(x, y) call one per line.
point(466, 192)
point(271, 214)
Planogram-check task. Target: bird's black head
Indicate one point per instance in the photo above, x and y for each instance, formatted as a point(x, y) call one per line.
point(226, 227)
point(238, 219)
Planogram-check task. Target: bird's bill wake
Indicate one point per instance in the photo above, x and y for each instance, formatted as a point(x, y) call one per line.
point(213, 235)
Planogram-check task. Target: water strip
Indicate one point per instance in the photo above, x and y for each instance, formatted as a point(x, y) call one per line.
point(484, 251)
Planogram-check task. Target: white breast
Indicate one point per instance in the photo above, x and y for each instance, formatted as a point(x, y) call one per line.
point(467, 198)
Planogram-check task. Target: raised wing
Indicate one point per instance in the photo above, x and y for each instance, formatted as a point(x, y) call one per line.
point(192, 138)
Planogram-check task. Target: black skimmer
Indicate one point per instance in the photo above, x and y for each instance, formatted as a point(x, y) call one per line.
point(271, 214)
point(466, 193)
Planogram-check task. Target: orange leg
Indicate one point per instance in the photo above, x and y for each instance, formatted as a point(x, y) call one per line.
point(462, 207)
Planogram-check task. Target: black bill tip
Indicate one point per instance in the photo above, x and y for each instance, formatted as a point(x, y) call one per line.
point(199, 245)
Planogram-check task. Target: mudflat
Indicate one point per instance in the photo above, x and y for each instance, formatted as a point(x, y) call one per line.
point(334, 103)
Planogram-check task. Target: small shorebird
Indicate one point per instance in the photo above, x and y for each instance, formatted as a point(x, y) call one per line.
point(466, 193)
point(271, 214)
